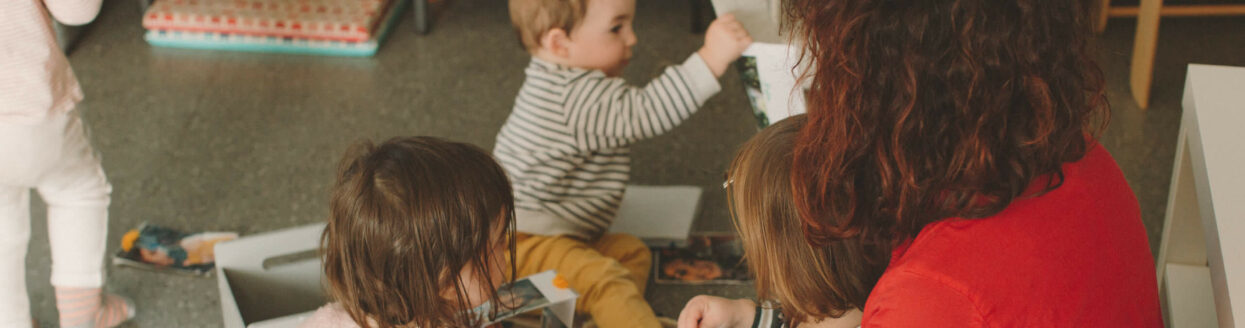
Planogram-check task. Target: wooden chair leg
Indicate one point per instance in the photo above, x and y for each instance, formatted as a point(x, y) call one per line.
point(1103, 7)
point(421, 16)
point(1142, 71)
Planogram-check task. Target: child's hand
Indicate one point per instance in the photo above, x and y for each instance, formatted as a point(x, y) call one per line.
point(725, 40)
point(710, 311)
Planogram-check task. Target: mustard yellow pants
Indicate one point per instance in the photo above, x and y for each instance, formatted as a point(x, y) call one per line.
point(609, 273)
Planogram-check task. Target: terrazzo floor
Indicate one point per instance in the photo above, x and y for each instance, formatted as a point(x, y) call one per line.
point(203, 140)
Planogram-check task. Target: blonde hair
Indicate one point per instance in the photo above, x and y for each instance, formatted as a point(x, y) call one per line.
point(810, 282)
point(532, 18)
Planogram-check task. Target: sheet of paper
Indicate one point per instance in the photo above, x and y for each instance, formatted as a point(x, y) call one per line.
point(775, 58)
point(760, 17)
point(561, 298)
point(658, 213)
point(778, 76)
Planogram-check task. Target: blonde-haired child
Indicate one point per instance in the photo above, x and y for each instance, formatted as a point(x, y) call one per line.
point(811, 286)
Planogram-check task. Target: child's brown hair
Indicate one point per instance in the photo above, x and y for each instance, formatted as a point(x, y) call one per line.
point(406, 217)
point(532, 18)
point(810, 282)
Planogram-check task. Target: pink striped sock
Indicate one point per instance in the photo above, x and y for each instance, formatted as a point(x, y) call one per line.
point(91, 308)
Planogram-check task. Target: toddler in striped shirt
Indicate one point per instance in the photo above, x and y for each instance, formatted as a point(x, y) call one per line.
point(566, 144)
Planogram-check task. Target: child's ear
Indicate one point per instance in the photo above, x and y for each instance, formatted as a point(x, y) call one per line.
point(557, 41)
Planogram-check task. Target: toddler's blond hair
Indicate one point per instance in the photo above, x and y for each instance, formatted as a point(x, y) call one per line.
point(532, 18)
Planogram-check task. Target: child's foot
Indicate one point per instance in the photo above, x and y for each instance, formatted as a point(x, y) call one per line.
point(91, 308)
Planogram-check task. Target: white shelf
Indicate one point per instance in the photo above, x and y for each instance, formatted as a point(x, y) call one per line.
point(1191, 297)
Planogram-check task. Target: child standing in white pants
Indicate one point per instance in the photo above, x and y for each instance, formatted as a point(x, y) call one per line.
point(43, 146)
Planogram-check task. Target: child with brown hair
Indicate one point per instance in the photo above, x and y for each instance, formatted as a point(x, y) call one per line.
point(812, 286)
point(418, 234)
point(566, 144)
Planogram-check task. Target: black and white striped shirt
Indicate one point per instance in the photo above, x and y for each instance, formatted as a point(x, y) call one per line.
point(566, 144)
point(769, 317)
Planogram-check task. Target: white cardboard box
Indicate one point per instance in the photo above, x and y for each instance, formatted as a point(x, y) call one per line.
point(271, 279)
point(659, 215)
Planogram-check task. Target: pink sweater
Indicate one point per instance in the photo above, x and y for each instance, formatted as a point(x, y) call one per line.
point(329, 316)
point(35, 78)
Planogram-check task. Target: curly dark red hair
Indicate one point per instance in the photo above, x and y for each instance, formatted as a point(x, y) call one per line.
point(926, 110)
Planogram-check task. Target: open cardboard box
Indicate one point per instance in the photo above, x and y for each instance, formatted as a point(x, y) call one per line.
point(271, 279)
point(658, 215)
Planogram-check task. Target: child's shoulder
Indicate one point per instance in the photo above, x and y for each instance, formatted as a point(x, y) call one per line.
point(557, 74)
point(329, 316)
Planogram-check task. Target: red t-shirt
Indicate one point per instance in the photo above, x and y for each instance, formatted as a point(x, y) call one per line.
point(1076, 256)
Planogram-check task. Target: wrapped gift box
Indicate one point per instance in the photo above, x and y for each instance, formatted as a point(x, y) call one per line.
point(334, 20)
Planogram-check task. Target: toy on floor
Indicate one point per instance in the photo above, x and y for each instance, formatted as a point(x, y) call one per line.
point(156, 247)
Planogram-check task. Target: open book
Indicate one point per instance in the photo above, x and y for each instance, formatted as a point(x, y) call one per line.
point(708, 258)
point(542, 291)
point(771, 67)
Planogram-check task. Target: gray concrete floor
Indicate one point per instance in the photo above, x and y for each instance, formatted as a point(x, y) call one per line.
point(245, 142)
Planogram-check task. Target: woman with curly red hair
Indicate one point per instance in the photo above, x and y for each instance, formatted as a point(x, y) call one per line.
point(954, 142)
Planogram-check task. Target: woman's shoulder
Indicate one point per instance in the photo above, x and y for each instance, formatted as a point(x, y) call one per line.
point(1090, 196)
point(1081, 243)
point(1092, 212)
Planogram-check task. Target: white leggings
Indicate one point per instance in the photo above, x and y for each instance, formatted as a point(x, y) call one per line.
point(55, 158)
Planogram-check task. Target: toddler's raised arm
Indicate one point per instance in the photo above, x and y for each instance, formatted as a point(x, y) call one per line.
point(608, 113)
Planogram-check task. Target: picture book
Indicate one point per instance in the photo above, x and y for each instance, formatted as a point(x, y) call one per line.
point(706, 259)
point(771, 68)
point(159, 248)
point(545, 291)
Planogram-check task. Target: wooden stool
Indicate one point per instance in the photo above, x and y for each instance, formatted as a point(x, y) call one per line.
point(1141, 72)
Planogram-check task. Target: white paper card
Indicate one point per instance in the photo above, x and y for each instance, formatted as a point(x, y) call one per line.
point(562, 299)
point(760, 17)
point(772, 87)
point(778, 75)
